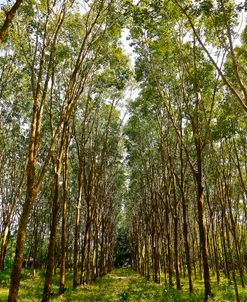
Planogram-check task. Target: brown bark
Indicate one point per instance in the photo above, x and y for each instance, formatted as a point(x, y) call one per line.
point(235, 286)
point(32, 188)
point(84, 252)
point(169, 253)
point(52, 244)
point(102, 252)
point(64, 223)
point(203, 240)
point(21, 236)
point(77, 223)
point(88, 262)
point(176, 254)
point(57, 166)
point(3, 247)
point(184, 211)
point(95, 254)
point(186, 243)
point(31, 193)
point(8, 19)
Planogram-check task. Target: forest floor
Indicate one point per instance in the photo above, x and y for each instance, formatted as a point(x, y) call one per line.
point(121, 285)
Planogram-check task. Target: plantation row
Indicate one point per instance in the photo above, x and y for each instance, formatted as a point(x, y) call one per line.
point(105, 165)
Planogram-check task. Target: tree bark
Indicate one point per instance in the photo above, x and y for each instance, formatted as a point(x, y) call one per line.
point(203, 240)
point(77, 223)
point(64, 223)
point(21, 237)
point(52, 244)
point(9, 18)
point(3, 247)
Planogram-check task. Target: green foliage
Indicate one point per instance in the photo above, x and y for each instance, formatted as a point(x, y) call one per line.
point(122, 253)
point(120, 285)
point(123, 297)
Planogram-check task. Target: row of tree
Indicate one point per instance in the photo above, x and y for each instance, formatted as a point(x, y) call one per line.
point(186, 141)
point(63, 72)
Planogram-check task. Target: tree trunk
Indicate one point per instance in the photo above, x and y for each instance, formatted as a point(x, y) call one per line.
point(3, 247)
point(20, 242)
point(9, 18)
point(169, 255)
point(84, 253)
point(95, 255)
point(52, 244)
point(203, 240)
point(102, 252)
point(176, 256)
point(88, 259)
point(186, 245)
point(64, 224)
point(77, 223)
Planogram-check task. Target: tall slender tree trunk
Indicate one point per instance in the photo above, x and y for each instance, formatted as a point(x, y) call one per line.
point(31, 193)
point(95, 254)
point(186, 244)
point(203, 239)
point(52, 244)
point(77, 224)
point(3, 247)
point(84, 253)
point(185, 222)
point(64, 223)
point(21, 237)
point(176, 255)
point(88, 262)
point(169, 253)
point(57, 164)
point(102, 252)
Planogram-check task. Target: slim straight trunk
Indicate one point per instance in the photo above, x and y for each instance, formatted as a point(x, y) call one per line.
point(102, 252)
point(235, 286)
point(227, 270)
point(239, 260)
point(147, 258)
point(176, 256)
point(35, 249)
point(186, 245)
point(216, 257)
point(21, 237)
point(84, 254)
point(155, 277)
point(3, 247)
point(52, 244)
point(77, 224)
point(203, 240)
point(95, 255)
point(169, 250)
point(64, 225)
point(88, 260)
point(156, 264)
point(57, 164)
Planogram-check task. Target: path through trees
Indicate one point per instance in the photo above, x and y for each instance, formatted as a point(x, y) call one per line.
point(84, 188)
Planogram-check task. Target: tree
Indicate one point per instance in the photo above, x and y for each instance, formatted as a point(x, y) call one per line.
point(10, 14)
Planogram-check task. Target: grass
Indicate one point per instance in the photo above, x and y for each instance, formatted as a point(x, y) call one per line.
point(121, 285)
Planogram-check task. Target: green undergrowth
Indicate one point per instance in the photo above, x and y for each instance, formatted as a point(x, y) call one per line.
point(121, 285)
